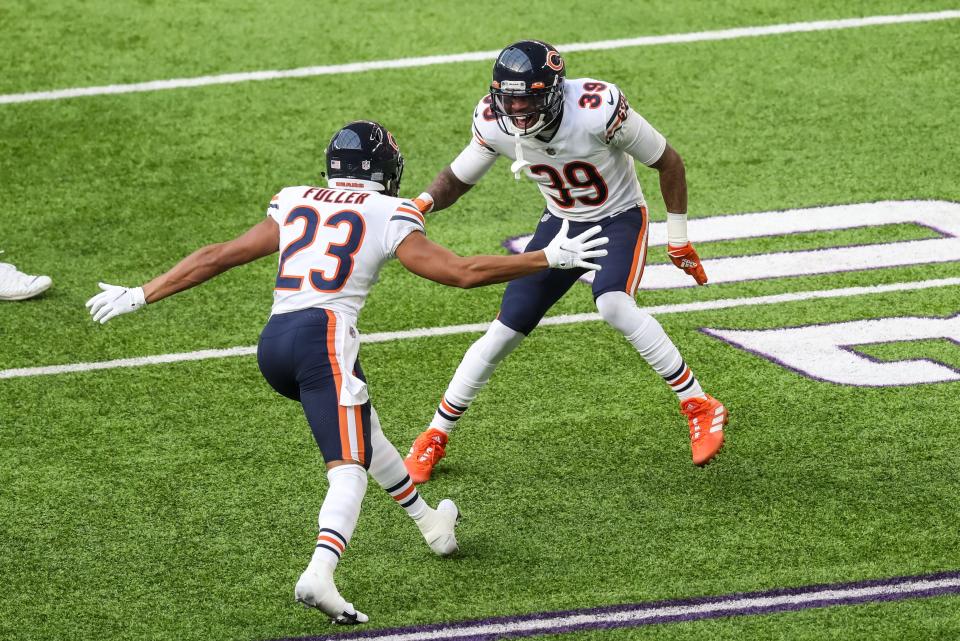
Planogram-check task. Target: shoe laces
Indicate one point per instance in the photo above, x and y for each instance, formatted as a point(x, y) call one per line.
point(433, 450)
point(693, 409)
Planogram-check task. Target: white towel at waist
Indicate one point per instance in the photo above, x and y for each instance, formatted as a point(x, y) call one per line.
point(353, 391)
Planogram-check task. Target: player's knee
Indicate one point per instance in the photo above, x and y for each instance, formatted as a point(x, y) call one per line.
point(348, 471)
point(520, 321)
point(497, 342)
point(620, 311)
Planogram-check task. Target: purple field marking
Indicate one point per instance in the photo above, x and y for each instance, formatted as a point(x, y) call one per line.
point(670, 611)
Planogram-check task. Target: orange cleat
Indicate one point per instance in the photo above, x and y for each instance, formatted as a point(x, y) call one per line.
point(706, 417)
point(425, 452)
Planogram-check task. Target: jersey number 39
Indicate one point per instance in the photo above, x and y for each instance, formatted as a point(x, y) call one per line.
point(343, 251)
point(579, 175)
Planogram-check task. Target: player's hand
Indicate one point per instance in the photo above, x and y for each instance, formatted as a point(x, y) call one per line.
point(568, 253)
point(685, 257)
point(115, 300)
point(424, 202)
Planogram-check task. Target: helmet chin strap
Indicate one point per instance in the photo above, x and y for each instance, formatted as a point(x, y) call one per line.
point(519, 164)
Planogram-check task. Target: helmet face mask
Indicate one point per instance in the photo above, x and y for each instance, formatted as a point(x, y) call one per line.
point(527, 88)
point(364, 154)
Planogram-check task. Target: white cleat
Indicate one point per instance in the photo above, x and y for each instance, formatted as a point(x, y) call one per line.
point(438, 528)
point(15, 285)
point(316, 589)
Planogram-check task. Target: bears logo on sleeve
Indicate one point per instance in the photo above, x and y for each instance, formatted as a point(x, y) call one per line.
point(618, 116)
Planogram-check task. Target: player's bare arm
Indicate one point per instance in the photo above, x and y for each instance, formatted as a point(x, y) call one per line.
point(429, 260)
point(445, 190)
point(639, 139)
point(673, 180)
point(260, 240)
point(673, 188)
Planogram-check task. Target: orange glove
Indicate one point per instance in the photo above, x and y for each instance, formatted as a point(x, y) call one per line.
point(685, 257)
point(424, 202)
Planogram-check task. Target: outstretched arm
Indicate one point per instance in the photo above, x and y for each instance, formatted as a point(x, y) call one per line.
point(260, 240)
point(425, 258)
point(435, 262)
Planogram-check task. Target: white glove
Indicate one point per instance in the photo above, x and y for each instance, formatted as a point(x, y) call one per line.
point(568, 253)
point(115, 300)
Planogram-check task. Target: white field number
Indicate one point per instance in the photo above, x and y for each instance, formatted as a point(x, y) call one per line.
point(829, 352)
point(941, 216)
point(826, 352)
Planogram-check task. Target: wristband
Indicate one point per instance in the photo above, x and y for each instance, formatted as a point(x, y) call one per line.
point(424, 202)
point(677, 230)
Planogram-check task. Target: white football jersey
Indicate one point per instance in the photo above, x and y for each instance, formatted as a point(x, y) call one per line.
point(585, 171)
point(333, 243)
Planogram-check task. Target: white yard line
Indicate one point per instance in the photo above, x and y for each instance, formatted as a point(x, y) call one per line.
point(475, 56)
point(383, 337)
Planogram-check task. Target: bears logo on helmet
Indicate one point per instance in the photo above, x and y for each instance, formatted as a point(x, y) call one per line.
point(554, 61)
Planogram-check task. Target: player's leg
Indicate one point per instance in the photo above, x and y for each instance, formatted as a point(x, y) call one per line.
point(293, 351)
point(336, 521)
point(387, 469)
point(345, 460)
point(525, 301)
point(614, 289)
point(473, 373)
point(275, 351)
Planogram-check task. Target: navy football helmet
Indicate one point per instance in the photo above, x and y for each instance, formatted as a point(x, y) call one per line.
point(527, 88)
point(365, 151)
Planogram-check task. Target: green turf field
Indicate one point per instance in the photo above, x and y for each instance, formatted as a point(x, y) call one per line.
point(179, 501)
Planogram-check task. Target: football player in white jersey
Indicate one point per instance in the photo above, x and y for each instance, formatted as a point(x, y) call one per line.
point(333, 241)
point(578, 140)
